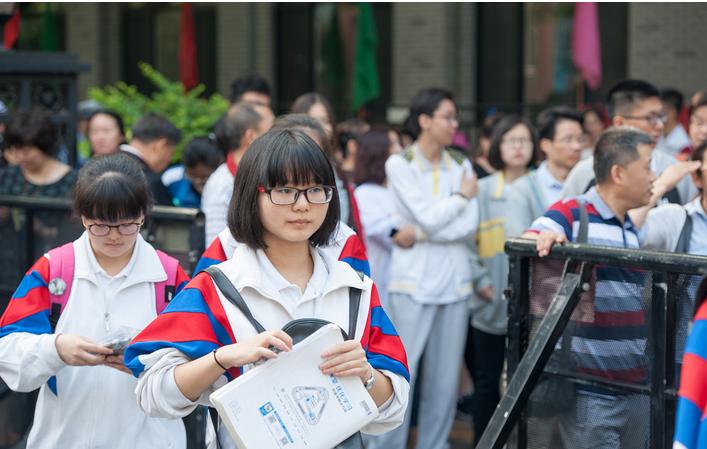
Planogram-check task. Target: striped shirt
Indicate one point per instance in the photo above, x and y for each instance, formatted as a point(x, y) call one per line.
point(613, 344)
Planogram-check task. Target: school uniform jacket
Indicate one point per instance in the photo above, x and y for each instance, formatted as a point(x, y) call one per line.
point(346, 246)
point(87, 406)
point(200, 319)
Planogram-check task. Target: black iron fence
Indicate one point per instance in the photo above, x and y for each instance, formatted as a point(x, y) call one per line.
point(595, 343)
point(29, 227)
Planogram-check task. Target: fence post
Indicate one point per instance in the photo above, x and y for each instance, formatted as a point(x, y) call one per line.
point(657, 355)
point(518, 297)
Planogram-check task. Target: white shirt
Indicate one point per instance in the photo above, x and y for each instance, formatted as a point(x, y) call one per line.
point(376, 206)
point(215, 200)
point(261, 286)
point(674, 142)
point(437, 269)
point(95, 406)
point(552, 188)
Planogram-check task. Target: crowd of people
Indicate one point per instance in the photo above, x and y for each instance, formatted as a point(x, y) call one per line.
point(300, 210)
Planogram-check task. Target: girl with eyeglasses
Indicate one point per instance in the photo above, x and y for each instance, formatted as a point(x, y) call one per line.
point(287, 211)
point(71, 348)
point(512, 152)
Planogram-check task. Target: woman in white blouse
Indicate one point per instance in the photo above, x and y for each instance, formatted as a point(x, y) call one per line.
point(376, 206)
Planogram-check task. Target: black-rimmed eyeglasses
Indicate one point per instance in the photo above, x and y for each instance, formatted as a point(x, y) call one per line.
point(102, 230)
point(283, 196)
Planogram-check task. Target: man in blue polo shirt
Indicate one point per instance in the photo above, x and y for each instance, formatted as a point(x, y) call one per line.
point(612, 344)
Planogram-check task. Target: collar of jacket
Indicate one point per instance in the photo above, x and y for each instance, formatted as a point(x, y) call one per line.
point(147, 267)
point(244, 271)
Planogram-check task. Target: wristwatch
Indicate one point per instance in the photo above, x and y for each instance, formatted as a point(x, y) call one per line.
point(371, 380)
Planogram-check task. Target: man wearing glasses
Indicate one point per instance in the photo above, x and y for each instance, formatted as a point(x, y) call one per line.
point(635, 103)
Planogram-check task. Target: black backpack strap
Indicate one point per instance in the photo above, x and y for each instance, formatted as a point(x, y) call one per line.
point(583, 232)
point(683, 244)
point(232, 295)
point(213, 414)
point(354, 304)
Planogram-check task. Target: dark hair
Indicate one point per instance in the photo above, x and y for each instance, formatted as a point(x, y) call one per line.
point(151, 127)
point(33, 128)
point(351, 129)
point(373, 151)
point(502, 127)
point(304, 123)
point(617, 146)
point(673, 97)
point(201, 150)
point(304, 103)
point(111, 188)
point(279, 157)
point(249, 83)
point(550, 117)
point(112, 114)
point(625, 95)
point(425, 102)
point(232, 126)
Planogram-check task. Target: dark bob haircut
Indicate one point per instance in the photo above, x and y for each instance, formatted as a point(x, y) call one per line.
point(617, 146)
point(33, 128)
point(277, 158)
point(425, 102)
point(499, 131)
point(373, 151)
point(111, 188)
point(112, 114)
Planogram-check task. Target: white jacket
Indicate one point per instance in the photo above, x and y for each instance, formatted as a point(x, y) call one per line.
point(437, 269)
point(273, 303)
point(95, 406)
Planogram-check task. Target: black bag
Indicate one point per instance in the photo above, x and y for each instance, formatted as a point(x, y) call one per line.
point(297, 329)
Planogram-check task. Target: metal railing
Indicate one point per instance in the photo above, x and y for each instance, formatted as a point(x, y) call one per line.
point(537, 321)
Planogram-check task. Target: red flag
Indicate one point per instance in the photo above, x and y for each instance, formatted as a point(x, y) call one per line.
point(586, 47)
point(12, 29)
point(188, 70)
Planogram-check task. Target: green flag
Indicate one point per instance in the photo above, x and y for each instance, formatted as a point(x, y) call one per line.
point(366, 86)
point(334, 73)
point(49, 37)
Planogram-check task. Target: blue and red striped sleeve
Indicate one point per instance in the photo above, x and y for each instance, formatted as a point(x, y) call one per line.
point(380, 340)
point(181, 280)
point(558, 218)
point(213, 255)
point(28, 309)
point(194, 322)
point(354, 254)
point(691, 426)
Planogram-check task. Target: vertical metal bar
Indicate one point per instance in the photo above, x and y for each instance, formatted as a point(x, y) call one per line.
point(657, 361)
point(533, 362)
point(518, 297)
point(675, 292)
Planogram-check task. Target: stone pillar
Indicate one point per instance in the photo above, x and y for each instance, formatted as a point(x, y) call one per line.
point(244, 40)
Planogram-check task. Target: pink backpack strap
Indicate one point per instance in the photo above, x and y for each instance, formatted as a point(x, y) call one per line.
point(164, 290)
point(61, 276)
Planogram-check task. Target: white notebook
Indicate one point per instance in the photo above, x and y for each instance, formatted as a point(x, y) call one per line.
point(288, 403)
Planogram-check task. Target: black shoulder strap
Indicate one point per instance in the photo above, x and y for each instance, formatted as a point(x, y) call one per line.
point(232, 295)
point(354, 304)
point(683, 244)
point(583, 232)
